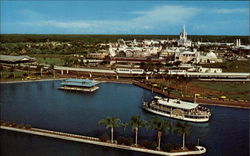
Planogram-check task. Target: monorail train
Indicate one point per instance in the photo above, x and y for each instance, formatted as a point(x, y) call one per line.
point(129, 71)
point(177, 72)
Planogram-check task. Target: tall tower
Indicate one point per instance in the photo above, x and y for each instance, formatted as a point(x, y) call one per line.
point(183, 34)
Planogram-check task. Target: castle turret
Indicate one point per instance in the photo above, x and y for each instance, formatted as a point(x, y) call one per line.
point(183, 41)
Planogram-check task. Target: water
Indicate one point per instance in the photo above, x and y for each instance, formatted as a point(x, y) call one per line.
point(41, 105)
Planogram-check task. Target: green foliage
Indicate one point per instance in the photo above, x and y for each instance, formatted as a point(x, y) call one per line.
point(14, 38)
point(149, 145)
point(225, 86)
point(231, 66)
point(167, 147)
point(104, 138)
point(191, 147)
point(51, 60)
point(159, 124)
point(126, 141)
point(11, 73)
point(181, 129)
point(176, 147)
point(136, 122)
point(110, 122)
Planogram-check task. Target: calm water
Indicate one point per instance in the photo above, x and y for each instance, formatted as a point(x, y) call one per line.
point(43, 106)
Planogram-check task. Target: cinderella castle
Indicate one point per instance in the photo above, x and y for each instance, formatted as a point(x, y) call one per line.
point(183, 41)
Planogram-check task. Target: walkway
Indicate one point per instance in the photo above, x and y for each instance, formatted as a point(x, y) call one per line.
point(96, 141)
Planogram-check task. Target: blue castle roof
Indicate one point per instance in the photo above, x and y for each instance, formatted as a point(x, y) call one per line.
point(79, 82)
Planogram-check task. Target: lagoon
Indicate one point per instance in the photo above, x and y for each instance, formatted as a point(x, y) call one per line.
point(41, 105)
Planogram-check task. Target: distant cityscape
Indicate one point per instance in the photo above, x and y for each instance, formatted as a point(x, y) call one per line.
point(160, 53)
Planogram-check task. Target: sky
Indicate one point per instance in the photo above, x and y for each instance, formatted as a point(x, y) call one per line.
point(125, 17)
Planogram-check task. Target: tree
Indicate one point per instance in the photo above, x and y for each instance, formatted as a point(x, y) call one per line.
point(52, 68)
point(160, 126)
point(177, 63)
point(1, 71)
point(182, 130)
point(39, 68)
point(12, 70)
point(136, 123)
point(111, 123)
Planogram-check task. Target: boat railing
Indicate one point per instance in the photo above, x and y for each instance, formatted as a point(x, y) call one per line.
point(194, 112)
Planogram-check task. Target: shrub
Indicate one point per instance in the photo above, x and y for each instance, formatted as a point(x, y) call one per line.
point(125, 141)
point(167, 147)
point(27, 126)
point(149, 145)
point(176, 147)
point(104, 138)
point(191, 147)
point(120, 140)
point(128, 141)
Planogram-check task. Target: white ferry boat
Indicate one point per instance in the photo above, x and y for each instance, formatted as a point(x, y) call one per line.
point(177, 109)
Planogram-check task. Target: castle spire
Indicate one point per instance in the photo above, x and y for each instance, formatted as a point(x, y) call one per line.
point(184, 29)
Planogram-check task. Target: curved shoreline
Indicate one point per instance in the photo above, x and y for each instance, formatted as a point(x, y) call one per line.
point(231, 104)
point(211, 102)
point(36, 80)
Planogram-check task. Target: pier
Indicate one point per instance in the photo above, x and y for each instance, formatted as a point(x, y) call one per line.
point(93, 140)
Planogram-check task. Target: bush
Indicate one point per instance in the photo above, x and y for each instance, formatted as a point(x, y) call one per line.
point(120, 140)
point(167, 147)
point(176, 147)
point(104, 138)
point(191, 147)
point(149, 145)
point(125, 141)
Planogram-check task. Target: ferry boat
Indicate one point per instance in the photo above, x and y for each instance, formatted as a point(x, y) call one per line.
point(83, 85)
point(177, 109)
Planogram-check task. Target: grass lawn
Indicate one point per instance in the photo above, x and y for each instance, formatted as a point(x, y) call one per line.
point(50, 60)
point(6, 74)
point(231, 66)
point(232, 90)
point(225, 86)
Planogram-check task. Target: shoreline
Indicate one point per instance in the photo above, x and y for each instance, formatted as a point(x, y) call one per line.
point(209, 102)
point(96, 141)
point(36, 80)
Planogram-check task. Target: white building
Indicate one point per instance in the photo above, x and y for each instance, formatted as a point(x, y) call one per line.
point(210, 57)
point(187, 56)
point(183, 41)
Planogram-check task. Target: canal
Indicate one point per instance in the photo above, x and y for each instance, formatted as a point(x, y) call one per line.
point(41, 105)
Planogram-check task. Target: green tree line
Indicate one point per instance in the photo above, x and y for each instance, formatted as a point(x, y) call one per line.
point(157, 124)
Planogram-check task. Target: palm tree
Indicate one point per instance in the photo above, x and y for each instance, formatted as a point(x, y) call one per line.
point(136, 123)
point(161, 126)
point(111, 123)
point(182, 130)
point(52, 67)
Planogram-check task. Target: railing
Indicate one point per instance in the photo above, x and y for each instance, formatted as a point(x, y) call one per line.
point(199, 114)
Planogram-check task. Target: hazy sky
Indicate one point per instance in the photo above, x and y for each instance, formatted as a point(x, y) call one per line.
point(125, 17)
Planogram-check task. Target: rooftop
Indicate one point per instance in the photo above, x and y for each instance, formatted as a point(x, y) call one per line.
point(10, 58)
point(181, 105)
point(79, 82)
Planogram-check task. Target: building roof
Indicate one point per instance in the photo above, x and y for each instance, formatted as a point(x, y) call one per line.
point(79, 82)
point(211, 55)
point(175, 104)
point(9, 58)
